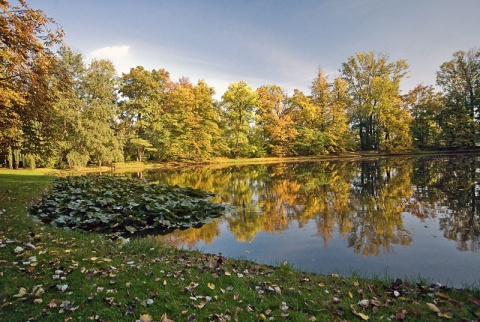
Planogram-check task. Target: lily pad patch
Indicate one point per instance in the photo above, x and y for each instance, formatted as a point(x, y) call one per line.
point(120, 206)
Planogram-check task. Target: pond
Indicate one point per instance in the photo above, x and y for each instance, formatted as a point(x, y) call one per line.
point(395, 216)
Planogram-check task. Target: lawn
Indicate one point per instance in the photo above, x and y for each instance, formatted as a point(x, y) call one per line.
point(50, 274)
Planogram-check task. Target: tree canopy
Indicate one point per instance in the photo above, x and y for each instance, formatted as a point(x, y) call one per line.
point(27, 65)
point(56, 109)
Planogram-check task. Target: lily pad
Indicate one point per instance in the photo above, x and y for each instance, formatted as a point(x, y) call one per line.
point(121, 206)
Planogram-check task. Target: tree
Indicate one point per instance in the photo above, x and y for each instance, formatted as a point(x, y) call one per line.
point(331, 100)
point(191, 121)
point(341, 138)
point(375, 105)
point(460, 80)
point(311, 140)
point(100, 112)
point(321, 118)
point(275, 120)
point(425, 106)
point(27, 61)
point(70, 107)
point(146, 93)
point(239, 102)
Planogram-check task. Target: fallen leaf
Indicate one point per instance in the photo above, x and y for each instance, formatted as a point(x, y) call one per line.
point(62, 288)
point(446, 315)
point(400, 316)
point(164, 318)
point(191, 286)
point(433, 307)
point(37, 290)
point(21, 292)
point(363, 316)
point(148, 318)
point(474, 300)
point(211, 286)
point(443, 295)
point(52, 304)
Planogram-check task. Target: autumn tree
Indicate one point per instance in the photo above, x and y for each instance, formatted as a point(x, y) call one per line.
point(27, 60)
point(321, 118)
point(275, 121)
point(340, 135)
point(375, 105)
point(460, 80)
point(309, 140)
point(239, 102)
point(331, 100)
point(190, 122)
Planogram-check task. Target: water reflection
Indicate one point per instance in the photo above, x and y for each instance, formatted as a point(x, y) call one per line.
point(365, 199)
point(366, 203)
point(449, 188)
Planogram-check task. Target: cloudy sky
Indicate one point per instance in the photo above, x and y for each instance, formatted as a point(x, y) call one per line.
point(266, 41)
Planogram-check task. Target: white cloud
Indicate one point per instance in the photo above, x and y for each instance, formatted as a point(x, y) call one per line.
point(111, 52)
point(119, 55)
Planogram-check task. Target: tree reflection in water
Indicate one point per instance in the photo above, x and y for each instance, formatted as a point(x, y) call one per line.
point(364, 201)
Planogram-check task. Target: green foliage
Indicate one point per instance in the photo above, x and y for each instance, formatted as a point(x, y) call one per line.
point(375, 105)
point(239, 102)
point(460, 80)
point(425, 107)
point(145, 93)
point(76, 159)
point(118, 206)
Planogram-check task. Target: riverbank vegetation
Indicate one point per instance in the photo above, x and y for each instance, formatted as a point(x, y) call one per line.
point(50, 274)
point(59, 111)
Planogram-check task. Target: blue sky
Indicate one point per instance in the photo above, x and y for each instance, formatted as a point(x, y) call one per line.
point(266, 41)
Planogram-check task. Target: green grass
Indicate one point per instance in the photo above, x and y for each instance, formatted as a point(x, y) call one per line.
point(145, 280)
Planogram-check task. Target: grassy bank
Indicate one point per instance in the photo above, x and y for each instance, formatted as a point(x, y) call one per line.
point(48, 274)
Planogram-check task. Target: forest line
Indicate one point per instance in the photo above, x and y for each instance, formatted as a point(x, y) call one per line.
point(58, 111)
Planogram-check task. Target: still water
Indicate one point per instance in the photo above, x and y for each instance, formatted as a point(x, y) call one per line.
point(397, 216)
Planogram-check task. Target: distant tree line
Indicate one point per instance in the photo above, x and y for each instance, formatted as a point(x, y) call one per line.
point(57, 111)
